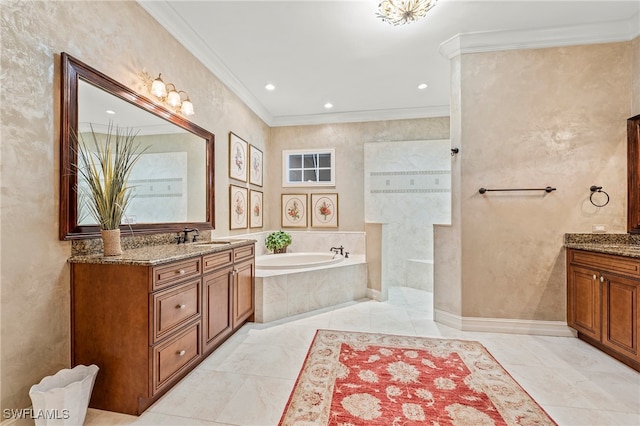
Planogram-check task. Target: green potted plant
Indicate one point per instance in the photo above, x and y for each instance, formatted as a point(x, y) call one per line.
point(104, 166)
point(277, 241)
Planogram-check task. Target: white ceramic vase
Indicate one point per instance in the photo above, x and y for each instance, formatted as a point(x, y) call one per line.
point(63, 399)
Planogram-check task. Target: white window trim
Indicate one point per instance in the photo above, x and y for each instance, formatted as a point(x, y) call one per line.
point(285, 167)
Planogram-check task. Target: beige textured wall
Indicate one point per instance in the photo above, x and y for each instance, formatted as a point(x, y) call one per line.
point(121, 40)
point(348, 139)
point(533, 118)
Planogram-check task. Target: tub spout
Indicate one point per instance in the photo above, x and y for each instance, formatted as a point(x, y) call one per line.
point(337, 250)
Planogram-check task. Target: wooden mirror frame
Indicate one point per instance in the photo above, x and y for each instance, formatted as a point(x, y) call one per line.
point(633, 175)
point(72, 70)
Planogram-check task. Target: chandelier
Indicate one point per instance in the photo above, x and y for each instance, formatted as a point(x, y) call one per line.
point(400, 12)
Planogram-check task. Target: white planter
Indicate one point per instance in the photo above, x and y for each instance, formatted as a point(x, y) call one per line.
point(62, 399)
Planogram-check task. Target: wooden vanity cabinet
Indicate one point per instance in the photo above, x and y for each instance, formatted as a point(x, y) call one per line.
point(584, 301)
point(243, 285)
point(603, 297)
point(146, 327)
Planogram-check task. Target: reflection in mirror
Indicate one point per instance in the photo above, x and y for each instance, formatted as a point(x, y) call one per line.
point(173, 179)
point(633, 175)
point(167, 181)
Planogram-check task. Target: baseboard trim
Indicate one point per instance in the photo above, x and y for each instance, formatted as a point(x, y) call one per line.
point(504, 325)
point(374, 295)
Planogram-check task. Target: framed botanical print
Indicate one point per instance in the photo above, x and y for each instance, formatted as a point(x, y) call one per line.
point(255, 209)
point(237, 157)
point(238, 204)
point(255, 166)
point(324, 210)
point(294, 211)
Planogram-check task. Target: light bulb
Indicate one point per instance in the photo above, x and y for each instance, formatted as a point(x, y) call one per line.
point(173, 99)
point(187, 107)
point(158, 87)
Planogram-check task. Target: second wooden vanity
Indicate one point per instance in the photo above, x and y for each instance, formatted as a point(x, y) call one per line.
point(603, 297)
point(147, 318)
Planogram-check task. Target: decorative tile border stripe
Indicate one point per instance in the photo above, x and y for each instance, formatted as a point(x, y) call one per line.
point(411, 173)
point(178, 195)
point(408, 191)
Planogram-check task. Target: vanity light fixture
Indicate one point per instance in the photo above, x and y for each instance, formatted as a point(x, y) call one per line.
point(168, 93)
point(400, 12)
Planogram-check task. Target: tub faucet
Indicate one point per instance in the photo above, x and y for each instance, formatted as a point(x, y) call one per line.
point(337, 250)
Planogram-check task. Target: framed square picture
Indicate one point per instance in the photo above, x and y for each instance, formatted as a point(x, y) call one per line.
point(294, 210)
point(255, 166)
point(238, 157)
point(255, 209)
point(238, 206)
point(324, 210)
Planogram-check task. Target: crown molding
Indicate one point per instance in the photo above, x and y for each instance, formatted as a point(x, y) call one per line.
point(166, 16)
point(606, 32)
point(492, 41)
point(360, 116)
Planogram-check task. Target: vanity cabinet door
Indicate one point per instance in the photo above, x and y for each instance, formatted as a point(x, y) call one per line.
point(584, 301)
point(620, 299)
point(243, 292)
point(218, 288)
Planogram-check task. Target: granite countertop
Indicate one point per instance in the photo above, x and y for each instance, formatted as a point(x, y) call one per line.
point(159, 254)
point(616, 244)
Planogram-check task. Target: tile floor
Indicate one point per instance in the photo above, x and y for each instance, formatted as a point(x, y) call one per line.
point(247, 381)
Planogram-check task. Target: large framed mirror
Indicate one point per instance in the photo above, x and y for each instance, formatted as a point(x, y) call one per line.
point(633, 175)
point(173, 180)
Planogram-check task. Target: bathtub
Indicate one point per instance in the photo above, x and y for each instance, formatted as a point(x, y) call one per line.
point(289, 284)
point(297, 260)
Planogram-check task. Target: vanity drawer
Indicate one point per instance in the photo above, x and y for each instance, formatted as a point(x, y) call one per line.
point(217, 260)
point(175, 307)
point(165, 275)
point(241, 253)
point(616, 264)
point(174, 356)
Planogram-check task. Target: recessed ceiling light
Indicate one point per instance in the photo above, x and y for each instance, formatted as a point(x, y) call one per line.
point(328, 105)
point(110, 112)
point(422, 86)
point(270, 86)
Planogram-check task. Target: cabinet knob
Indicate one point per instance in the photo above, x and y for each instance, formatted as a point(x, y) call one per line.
point(601, 279)
point(595, 277)
point(181, 306)
point(181, 272)
point(181, 353)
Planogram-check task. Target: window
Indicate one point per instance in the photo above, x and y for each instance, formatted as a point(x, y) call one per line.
point(311, 167)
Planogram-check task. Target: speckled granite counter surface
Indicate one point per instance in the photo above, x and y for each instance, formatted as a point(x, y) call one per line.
point(617, 244)
point(159, 254)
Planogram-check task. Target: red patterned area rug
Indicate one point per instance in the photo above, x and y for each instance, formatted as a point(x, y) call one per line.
point(354, 378)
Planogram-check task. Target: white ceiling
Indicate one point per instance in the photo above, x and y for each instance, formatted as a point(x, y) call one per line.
point(338, 51)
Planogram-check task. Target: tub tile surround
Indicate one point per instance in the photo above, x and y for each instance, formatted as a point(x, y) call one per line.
point(575, 383)
point(313, 241)
point(285, 293)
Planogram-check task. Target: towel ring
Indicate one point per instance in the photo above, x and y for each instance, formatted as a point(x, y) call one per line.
point(594, 189)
